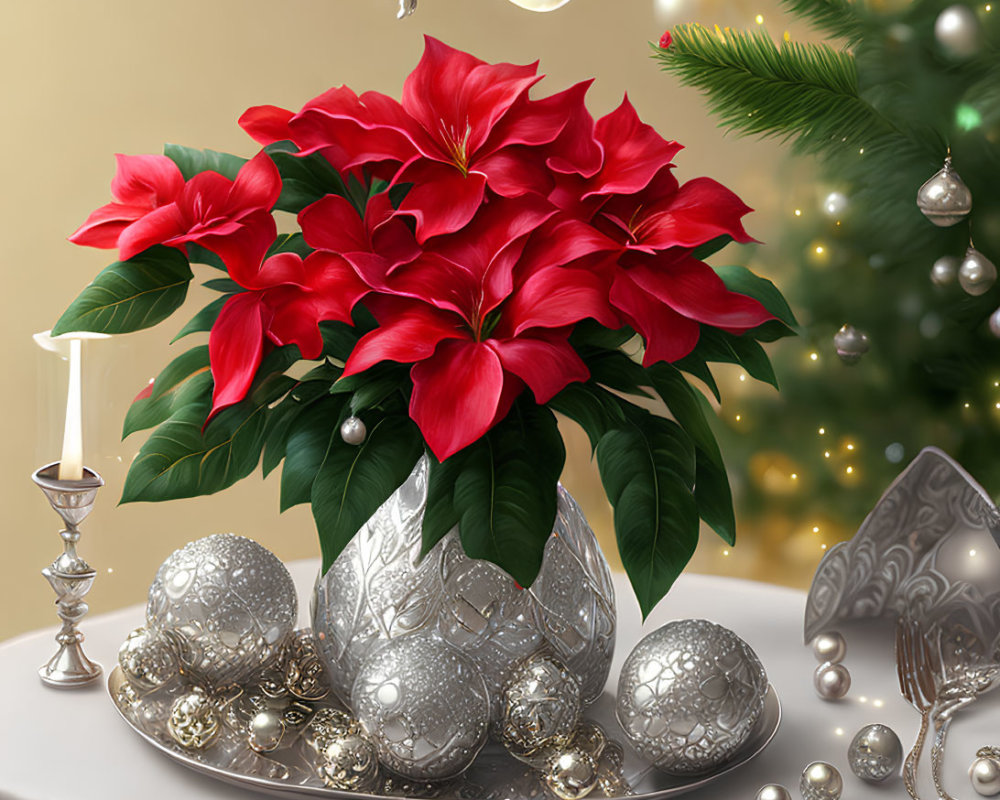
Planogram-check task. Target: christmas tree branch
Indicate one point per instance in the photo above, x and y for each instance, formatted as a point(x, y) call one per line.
point(804, 92)
point(836, 17)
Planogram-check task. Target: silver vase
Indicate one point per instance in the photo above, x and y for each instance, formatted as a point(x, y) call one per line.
point(378, 589)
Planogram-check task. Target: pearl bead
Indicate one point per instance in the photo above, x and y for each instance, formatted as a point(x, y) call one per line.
point(821, 781)
point(829, 648)
point(875, 753)
point(353, 431)
point(985, 776)
point(832, 681)
point(773, 791)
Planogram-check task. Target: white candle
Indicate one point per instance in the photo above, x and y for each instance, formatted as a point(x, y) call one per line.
point(71, 463)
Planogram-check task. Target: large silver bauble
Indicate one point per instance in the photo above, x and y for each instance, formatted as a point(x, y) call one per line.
point(541, 707)
point(944, 198)
point(875, 753)
point(821, 781)
point(148, 660)
point(424, 705)
point(227, 604)
point(958, 31)
point(976, 274)
point(689, 695)
point(985, 776)
point(379, 589)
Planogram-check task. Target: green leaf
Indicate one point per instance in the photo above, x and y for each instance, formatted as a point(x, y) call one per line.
point(280, 421)
point(202, 255)
point(355, 480)
point(290, 243)
point(692, 364)
point(308, 440)
point(505, 491)
point(179, 370)
point(191, 161)
point(304, 180)
point(682, 400)
point(716, 345)
point(648, 471)
point(589, 333)
point(146, 413)
point(713, 495)
point(591, 407)
point(369, 389)
point(224, 285)
point(740, 279)
point(440, 515)
point(204, 319)
point(614, 369)
point(130, 295)
point(339, 339)
point(711, 247)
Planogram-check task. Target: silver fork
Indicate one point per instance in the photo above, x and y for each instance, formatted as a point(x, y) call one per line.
point(916, 669)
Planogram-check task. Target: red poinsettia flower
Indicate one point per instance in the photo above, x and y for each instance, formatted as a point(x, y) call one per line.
point(287, 299)
point(141, 184)
point(485, 312)
point(462, 125)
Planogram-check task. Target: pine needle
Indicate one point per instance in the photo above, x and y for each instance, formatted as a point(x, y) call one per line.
point(807, 93)
point(836, 17)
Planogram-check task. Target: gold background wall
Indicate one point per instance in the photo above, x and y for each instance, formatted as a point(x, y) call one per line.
point(84, 80)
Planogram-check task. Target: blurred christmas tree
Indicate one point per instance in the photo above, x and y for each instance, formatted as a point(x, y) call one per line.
point(898, 87)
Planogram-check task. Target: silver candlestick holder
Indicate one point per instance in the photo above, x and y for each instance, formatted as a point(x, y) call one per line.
point(69, 575)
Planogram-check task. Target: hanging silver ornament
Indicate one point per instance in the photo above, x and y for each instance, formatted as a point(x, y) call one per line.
point(944, 271)
point(406, 7)
point(821, 781)
point(571, 773)
point(832, 681)
point(541, 706)
point(958, 31)
point(424, 705)
point(689, 694)
point(540, 5)
point(835, 204)
point(193, 721)
point(773, 791)
point(226, 604)
point(829, 648)
point(875, 753)
point(148, 660)
point(995, 323)
point(976, 274)
point(944, 198)
point(850, 344)
point(353, 430)
point(985, 772)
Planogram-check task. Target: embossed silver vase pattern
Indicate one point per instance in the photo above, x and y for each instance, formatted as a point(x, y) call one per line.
point(378, 589)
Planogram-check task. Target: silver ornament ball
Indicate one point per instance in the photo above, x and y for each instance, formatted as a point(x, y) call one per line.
point(995, 323)
point(821, 781)
point(689, 694)
point(571, 774)
point(958, 31)
point(380, 588)
point(944, 198)
point(193, 721)
point(832, 681)
point(349, 762)
point(353, 430)
point(424, 705)
point(773, 791)
point(829, 648)
point(265, 731)
point(226, 604)
point(835, 204)
point(875, 753)
point(850, 344)
point(985, 776)
point(147, 660)
point(944, 271)
point(541, 706)
point(976, 274)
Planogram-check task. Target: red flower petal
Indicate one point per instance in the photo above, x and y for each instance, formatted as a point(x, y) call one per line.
point(146, 180)
point(257, 185)
point(156, 227)
point(515, 171)
point(546, 363)
point(266, 124)
point(692, 289)
point(235, 345)
point(242, 249)
point(333, 223)
point(669, 336)
point(456, 393)
point(105, 225)
point(633, 152)
point(666, 40)
point(406, 335)
point(701, 210)
point(557, 296)
point(442, 199)
point(335, 285)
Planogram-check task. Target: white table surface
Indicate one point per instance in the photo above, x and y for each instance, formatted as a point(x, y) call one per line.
point(72, 745)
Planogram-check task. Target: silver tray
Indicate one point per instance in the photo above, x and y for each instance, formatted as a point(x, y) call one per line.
point(494, 775)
